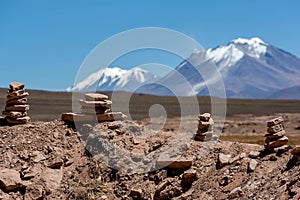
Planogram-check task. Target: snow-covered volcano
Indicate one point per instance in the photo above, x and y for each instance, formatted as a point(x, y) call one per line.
point(109, 79)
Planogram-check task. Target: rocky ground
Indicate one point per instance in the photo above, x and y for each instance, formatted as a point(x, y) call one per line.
point(51, 160)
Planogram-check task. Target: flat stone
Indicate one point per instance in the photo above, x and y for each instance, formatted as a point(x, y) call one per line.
point(205, 117)
point(56, 163)
point(95, 96)
point(275, 129)
point(52, 178)
point(96, 110)
point(22, 101)
point(224, 159)
point(275, 135)
point(276, 143)
point(10, 179)
point(76, 117)
point(14, 114)
point(16, 86)
point(252, 165)
point(113, 116)
point(20, 120)
point(17, 108)
point(19, 96)
point(254, 154)
point(275, 121)
point(296, 150)
point(174, 164)
point(95, 103)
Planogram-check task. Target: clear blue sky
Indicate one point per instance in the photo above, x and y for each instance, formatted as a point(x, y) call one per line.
point(43, 43)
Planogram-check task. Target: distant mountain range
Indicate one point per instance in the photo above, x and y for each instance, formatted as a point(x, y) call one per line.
point(250, 68)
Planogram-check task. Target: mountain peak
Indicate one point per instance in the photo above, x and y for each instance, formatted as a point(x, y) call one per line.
point(251, 41)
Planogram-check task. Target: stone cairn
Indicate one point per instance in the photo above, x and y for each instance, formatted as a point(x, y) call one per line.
point(205, 127)
point(275, 138)
point(95, 107)
point(16, 105)
point(296, 152)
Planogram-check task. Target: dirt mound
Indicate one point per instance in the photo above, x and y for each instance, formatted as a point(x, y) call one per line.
point(49, 160)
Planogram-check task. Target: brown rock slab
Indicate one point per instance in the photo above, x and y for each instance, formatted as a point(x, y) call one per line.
point(71, 117)
point(22, 101)
point(95, 103)
point(22, 108)
point(10, 179)
point(275, 129)
point(110, 116)
point(95, 96)
point(20, 96)
point(205, 117)
point(14, 114)
point(276, 143)
point(275, 135)
point(174, 164)
point(275, 121)
point(96, 110)
point(20, 120)
point(296, 150)
point(16, 86)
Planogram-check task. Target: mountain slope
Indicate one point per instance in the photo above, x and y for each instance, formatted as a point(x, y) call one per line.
point(250, 68)
point(109, 79)
point(288, 93)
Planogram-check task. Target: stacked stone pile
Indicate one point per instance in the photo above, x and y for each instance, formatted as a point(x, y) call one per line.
point(296, 152)
point(275, 138)
point(16, 105)
point(95, 106)
point(205, 127)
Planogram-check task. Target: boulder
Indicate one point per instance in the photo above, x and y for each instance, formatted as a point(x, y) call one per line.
point(95, 97)
point(16, 86)
point(275, 121)
point(10, 179)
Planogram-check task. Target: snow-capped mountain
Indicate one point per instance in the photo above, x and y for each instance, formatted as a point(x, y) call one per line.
point(109, 79)
point(250, 68)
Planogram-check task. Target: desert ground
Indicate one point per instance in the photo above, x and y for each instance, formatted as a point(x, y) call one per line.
point(48, 159)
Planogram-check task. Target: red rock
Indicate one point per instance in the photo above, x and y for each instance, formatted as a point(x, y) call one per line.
point(277, 143)
point(22, 101)
point(17, 108)
point(189, 177)
point(275, 121)
point(16, 86)
point(296, 150)
point(175, 164)
point(10, 179)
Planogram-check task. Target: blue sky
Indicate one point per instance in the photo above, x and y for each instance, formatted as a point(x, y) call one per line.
point(43, 43)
